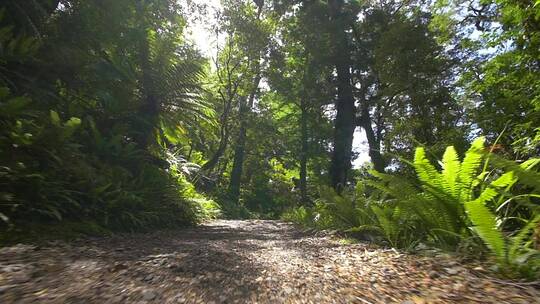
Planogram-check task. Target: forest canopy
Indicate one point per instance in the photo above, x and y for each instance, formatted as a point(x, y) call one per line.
point(112, 119)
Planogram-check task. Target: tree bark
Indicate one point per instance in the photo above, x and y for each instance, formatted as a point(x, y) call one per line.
point(227, 98)
point(238, 160)
point(344, 123)
point(239, 151)
point(223, 140)
point(303, 151)
point(373, 142)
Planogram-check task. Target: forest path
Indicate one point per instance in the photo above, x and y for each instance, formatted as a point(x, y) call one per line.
point(251, 261)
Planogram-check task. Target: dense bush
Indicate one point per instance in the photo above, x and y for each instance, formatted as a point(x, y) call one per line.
point(48, 174)
point(85, 120)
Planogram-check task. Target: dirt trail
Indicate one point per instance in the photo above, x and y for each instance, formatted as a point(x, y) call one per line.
point(240, 262)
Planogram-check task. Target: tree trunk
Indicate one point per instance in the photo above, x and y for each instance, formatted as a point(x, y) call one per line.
point(239, 151)
point(344, 124)
point(373, 142)
point(224, 119)
point(303, 152)
point(223, 142)
point(238, 160)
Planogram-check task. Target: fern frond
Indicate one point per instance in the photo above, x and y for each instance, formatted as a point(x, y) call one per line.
point(365, 228)
point(506, 180)
point(396, 186)
point(450, 172)
point(523, 172)
point(469, 168)
point(517, 242)
point(426, 172)
point(485, 224)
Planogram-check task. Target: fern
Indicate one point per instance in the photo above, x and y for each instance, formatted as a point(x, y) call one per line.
point(459, 196)
point(426, 172)
point(469, 169)
point(451, 169)
point(485, 223)
point(448, 207)
point(523, 171)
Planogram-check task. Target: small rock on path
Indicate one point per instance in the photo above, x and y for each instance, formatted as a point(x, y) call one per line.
point(251, 261)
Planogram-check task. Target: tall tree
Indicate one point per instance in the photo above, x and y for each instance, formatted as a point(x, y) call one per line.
point(405, 81)
point(248, 29)
point(228, 74)
point(345, 119)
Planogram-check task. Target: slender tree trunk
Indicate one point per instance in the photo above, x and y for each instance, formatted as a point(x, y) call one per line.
point(344, 124)
point(223, 142)
point(303, 151)
point(373, 142)
point(238, 160)
point(211, 164)
point(245, 109)
point(239, 151)
point(224, 119)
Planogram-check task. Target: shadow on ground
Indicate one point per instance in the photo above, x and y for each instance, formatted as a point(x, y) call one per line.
point(189, 265)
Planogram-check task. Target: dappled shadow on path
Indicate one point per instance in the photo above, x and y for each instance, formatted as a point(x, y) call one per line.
point(236, 262)
point(191, 265)
point(221, 262)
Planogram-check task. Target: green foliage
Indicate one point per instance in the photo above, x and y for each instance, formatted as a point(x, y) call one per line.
point(205, 208)
point(463, 196)
point(448, 207)
point(110, 119)
point(331, 211)
point(300, 215)
point(78, 140)
point(499, 70)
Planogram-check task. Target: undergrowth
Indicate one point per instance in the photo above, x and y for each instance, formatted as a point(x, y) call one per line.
point(482, 202)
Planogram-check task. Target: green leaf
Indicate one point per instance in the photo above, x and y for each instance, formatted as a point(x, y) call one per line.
point(426, 172)
point(73, 122)
point(485, 224)
point(469, 168)
point(505, 180)
point(55, 118)
point(523, 172)
point(517, 243)
point(451, 168)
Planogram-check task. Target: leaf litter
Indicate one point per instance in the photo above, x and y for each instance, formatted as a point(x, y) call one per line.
point(251, 261)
